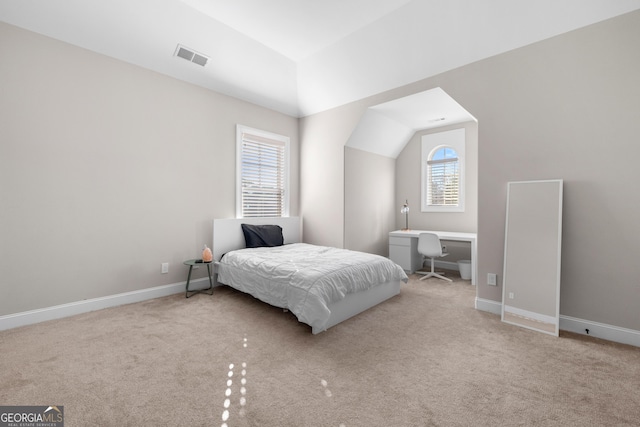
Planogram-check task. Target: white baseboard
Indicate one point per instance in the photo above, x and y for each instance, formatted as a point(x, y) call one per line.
point(490, 306)
point(570, 324)
point(600, 330)
point(578, 326)
point(70, 309)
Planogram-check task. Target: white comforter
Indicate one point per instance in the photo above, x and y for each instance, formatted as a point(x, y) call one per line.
point(305, 278)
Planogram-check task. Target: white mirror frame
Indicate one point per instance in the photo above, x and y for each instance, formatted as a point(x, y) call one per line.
point(532, 255)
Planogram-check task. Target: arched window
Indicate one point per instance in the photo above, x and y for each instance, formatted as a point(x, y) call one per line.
point(443, 171)
point(443, 177)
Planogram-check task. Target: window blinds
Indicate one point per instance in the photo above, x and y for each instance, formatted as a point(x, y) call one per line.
point(444, 182)
point(263, 176)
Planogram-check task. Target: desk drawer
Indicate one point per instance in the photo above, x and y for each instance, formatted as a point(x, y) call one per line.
point(399, 241)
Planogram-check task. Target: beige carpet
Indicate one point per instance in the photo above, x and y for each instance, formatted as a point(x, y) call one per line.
point(423, 358)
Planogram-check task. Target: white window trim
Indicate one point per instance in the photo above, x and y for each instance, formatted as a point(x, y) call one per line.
point(432, 142)
point(240, 129)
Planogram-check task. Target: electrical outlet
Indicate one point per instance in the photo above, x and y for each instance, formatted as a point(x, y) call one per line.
point(165, 268)
point(492, 279)
point(444, 248)
point(511, 296)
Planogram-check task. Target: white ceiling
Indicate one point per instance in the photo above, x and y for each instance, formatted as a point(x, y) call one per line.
point(305, 56)
point(386, 128)
point(296, 28)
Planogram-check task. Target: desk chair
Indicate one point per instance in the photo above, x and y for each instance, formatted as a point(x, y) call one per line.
point(429, 246)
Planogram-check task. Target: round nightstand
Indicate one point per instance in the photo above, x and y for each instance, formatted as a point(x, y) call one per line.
point(194, 262)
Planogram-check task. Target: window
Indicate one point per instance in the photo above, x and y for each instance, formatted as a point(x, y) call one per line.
point(443, 171)
point(262, 180)
point(443, 177)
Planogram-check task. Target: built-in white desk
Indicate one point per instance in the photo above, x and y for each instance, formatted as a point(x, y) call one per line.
point(403, 248)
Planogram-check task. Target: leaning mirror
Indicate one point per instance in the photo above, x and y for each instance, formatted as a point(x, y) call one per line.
point(532, 253)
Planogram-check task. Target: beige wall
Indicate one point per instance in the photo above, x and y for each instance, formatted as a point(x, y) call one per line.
point(108, 170)
point(322, 140)
point(567, 108)
point(369, 212)
point(563, 108)
point(408, 185)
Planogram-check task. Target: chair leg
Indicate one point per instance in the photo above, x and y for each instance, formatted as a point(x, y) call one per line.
point(439, 276)
point(432, 273)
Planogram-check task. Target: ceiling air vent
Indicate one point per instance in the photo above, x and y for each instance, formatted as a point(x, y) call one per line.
point(190, 55)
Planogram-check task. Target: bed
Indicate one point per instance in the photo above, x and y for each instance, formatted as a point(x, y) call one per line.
point(321, 286)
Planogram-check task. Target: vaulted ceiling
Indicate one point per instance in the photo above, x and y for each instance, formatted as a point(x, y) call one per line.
point(304, 56)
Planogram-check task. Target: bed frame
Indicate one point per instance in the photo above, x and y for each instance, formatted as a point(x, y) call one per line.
point(228, 236)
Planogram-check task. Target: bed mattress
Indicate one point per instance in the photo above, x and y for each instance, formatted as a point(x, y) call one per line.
point(304, 278)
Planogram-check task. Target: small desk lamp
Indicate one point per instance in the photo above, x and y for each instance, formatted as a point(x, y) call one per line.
point(405, 211)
